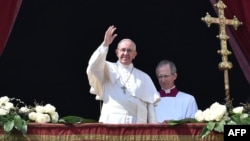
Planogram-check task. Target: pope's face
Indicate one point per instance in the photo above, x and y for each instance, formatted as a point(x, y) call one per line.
point(126, 52)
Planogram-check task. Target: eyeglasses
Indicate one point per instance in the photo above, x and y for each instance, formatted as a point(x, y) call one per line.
point(125, 50)
point(164, 76)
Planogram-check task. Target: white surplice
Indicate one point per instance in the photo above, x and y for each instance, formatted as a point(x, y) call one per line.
point(176, 108)
point(136, 105)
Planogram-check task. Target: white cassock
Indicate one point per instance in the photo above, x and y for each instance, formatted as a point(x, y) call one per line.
point(134, 105)
point(176, 108)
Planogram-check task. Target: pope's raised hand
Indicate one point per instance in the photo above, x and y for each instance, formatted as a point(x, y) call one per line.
point(109, 35)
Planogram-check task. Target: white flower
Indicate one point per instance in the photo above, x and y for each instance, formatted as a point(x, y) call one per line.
point(44, 114)
point(54, 117)
point(218, 111)
point(32, 116)
point(207, 115)
point(5, 105)
point(8, 106)
point(40, 109)
point(42, 118)
point(214, 113)
point(199, 116)
point(48, 108)
point(39, 117)
point(3, 112)
point(4, 100)
point(238, 110)
point(24, 110)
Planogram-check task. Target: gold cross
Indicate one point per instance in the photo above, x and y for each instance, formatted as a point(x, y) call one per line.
point(223, 21)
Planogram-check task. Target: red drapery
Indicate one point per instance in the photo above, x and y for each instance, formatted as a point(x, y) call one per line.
point(240, 38)
point(8, 13)
point(116, 132)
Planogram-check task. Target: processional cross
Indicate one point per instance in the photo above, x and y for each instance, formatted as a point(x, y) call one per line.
point(225, 65)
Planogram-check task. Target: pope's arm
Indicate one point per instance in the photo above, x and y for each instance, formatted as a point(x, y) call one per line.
point(96, 70)
point(96, 64)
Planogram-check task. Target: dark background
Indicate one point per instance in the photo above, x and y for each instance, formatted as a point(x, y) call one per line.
point(46, 56)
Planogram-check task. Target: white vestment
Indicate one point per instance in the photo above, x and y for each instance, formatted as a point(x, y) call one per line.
point(176, 108)
point(135, 105)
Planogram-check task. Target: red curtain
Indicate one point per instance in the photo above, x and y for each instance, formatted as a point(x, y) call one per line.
point(8, 13)
point(239, 39)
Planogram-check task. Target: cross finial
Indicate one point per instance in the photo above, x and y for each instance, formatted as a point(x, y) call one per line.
point(222, 21)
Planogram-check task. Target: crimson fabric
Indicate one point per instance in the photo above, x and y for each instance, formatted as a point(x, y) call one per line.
point(117, 132)
point(173, 93)
point(239, 39)
point(8, 12)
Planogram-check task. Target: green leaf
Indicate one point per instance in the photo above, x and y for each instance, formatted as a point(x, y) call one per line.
point(186, 120)
point(8, 126)
point(210, 125)
point(231, 122)
point(20, 124)
point(236, 118)
point(86, 120)
point(246, 121)
point(75, 119)
point(219, 126)
point(205, 131)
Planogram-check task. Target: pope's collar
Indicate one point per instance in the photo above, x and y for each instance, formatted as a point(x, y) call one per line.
point(130, 66)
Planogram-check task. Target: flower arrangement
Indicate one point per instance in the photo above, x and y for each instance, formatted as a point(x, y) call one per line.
point(14, 117)
point(218, 115)
point(42, 114)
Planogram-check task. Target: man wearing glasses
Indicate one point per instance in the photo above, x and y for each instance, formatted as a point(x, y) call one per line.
point(128, 94)
point(174, 104)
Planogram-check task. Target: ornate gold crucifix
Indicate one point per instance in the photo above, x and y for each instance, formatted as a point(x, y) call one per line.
point(225, 65)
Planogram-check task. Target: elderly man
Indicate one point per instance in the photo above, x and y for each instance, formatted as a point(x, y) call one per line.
point(128, 94)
